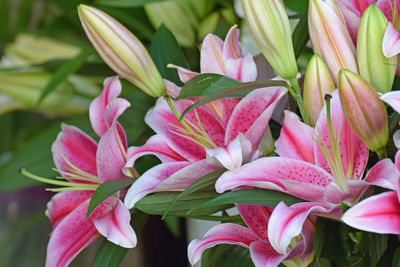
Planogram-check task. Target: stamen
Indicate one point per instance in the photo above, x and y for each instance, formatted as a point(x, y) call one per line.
point(333, 156)
point(76, 186)
point(76, 171)
point(120, 144)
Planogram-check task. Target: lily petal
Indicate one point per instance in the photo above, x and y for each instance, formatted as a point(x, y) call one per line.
point(155, 145)
point(252, 114)
point(112, 89)
point(184, 74)
point(384, 174)
point(114, 110)
point(149, 180)
point(242, 69)
point(116, 228)
point(393, 99)
point(263, 254)
point(286, 222)
point(77, 147)
point(296, 139)
point(265, 172)
point(391, 42)
point(378, 214)
point(256, 218)
point(171, 88)
point(61, 204)
point(226, 233)
point(211, 55)
point(386, 6)
point(232, 48)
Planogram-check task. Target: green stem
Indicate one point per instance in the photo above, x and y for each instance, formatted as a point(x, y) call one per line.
point(299, 99)
point(381, 153)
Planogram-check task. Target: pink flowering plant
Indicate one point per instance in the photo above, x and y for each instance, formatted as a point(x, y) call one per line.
point(293, 171)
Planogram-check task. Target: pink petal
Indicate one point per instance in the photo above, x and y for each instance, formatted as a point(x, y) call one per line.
point(304, 190)
point(211, 55)
point(77, 147)
point(111, 154)
point(386, 7)
point(296, 139)
point(114, 109)
point(74, 233)
point(226, 233)
point(61, 204)
point(383, 174)
point(232, 48)
point(154, 146)
point(116, 227)
point(393, 99)
point(164, 122)
point(228, 105)
point(355, 188)
point(263, 254)
point(265, 172)
point(256, 218)
point(352, 16)
point(171, 88)
point(237, 152)
point(242, 69)
point(353, 151)
point(378, 214)
point(149, 180)
point(185, 176)
point(252, 114)
point(391, 42)
point(184, 74)
point(112, 89)
point(396, 138)
point(286, 222)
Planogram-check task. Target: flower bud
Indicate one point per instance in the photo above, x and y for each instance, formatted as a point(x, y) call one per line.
point(121, 50)
point(364, 111)
point(269, 25)
point(179, 19)
point(374, 67)
point(330, 38)
point(317, 83)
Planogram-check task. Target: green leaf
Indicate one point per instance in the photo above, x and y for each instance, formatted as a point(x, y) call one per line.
point(157, 203)
point(250, 196)
point(377, 245)
point(110, 255)
point(206, 181)
point(206, 84)
point(64, 71)
point(105, 190)
point(300, 35)
point(319, 238)
point(126, 3)
point(231, 91)
point(396, 258)
point(173, 224)
point(164, 41)
point(297, 5)
point(227, 256)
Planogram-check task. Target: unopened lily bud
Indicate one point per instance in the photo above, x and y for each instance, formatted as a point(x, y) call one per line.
point(179, 19)
point(121, 50)
point(374, 67)
point(364, 111)
point(269, 25)
point(330, 38)
point(317, 83)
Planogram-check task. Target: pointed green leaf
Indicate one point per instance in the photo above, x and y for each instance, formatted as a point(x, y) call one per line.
point(202, 183)
point(319, 238)
point(300, 35)
point(164, 41)
point(105, 190)
point(376, 246)
point(251, 197)
point(110, 255)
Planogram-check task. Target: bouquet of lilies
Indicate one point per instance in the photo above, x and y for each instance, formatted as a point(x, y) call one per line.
point(308, 164)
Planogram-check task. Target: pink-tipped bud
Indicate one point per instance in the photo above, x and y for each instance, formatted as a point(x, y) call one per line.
point(364, 111)
point(121, 50)
point(330, 38)
point(317, 83)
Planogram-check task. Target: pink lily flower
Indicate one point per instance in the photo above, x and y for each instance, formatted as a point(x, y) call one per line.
point(85, 165)
point(224, 133)
point(255, 237)
point(323, 166)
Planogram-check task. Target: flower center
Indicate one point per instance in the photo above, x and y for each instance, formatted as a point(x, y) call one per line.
point(189, 130)
point(333, 155)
